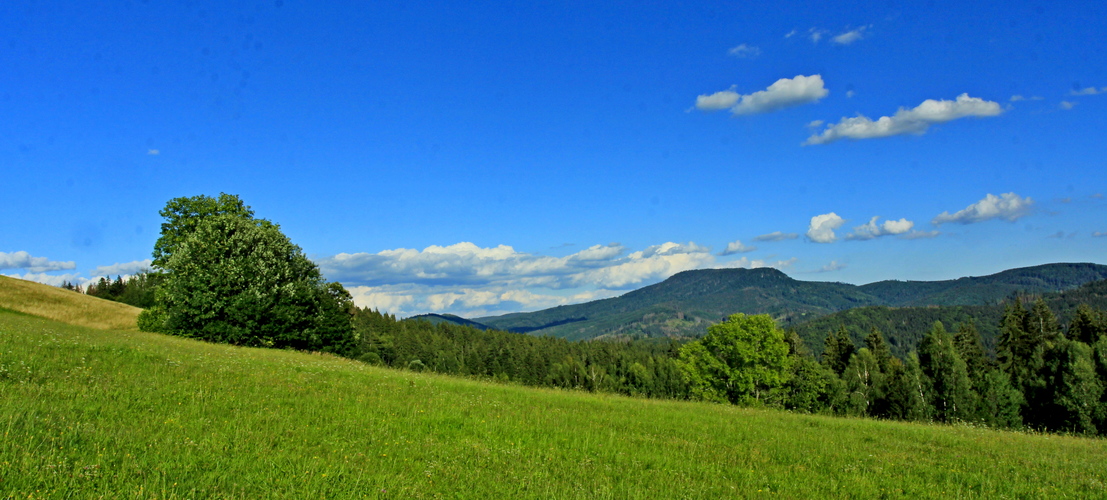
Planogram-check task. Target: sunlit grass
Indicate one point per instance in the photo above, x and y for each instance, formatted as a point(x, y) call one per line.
point(65, 305)
point(92, 413)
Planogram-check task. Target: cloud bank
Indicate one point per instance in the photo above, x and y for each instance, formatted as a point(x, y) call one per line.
point(1008, 206)
point(24, 260)
point(906, 121)
point(469, 280)
point(784, 93)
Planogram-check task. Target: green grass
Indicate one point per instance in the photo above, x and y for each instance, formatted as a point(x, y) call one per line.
point(91, 413)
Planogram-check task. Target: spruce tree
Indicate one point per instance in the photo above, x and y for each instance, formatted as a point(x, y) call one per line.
point(971, 349)
point(879, 348)
point(1073, 391)
point(1087, 325)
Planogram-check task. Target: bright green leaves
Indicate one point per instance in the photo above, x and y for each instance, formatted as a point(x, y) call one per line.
point(742, 360)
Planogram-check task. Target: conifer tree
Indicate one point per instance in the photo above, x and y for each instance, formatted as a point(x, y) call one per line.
point(971, 349)
point(906, 390)
point(950, 392)
point(1073, 387)
point(879, 348)
point(1087, 325)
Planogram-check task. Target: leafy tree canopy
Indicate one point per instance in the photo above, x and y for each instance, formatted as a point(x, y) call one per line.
point(743, 359)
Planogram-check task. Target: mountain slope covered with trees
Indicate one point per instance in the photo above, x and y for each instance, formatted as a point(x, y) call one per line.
point(686, 303)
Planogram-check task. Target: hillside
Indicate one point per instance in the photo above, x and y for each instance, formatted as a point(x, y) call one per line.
point(435, 319)
point(904, 326)
point(686, 303)
point(94, 413)
point(64, 305)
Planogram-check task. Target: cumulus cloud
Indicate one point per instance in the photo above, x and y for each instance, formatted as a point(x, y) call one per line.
point(744, 51)
point(473, 281)
point(822, 228)
point(736, 246)
point(832, 266)
point(784, 93)
point(776, 236)
point(126, 268)
point(1007, 206)
point(24, 260)
point(873, 230)
point(850, 36)
point(907, 121)
point(464, 278)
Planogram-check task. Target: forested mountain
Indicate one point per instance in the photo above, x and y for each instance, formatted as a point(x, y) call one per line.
point(435, 319)
point(904, 326)
point(686, 303)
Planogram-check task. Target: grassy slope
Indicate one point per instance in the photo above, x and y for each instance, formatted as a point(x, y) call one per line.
point(90, 413)
point(65, 306)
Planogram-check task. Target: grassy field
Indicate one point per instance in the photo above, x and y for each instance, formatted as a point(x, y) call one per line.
point(90, 413)
point(65, 305)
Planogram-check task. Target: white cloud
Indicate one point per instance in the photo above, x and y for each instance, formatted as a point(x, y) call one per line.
point(1019, 97)
point(907, 121)
point(790, 34)
point(832, 266)
point(736, 246)
point(126, 268)
point(784, 93)
point(816, 34)
point(815, 123)
point(50, 279)
point(744, 51)
point(822, 228)
point(1067, 105)
point(873, 230)
point(850, 36)
point(723, 99)
point(776, 236)
point(1099, 234)
point(1088, 91)
point(472, 281)
point(24, 260)
point(850, 94)
point(1007, 206)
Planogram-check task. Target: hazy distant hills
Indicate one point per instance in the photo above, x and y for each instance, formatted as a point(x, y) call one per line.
point(686, 303)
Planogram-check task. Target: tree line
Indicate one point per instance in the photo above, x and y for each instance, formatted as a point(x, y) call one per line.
point(226, 276)
point(137, 290)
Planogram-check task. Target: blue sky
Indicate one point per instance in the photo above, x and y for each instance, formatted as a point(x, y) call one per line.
point(485, 157)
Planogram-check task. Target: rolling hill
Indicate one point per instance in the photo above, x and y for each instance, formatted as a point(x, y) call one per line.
point(686, 303)
point(101, 413)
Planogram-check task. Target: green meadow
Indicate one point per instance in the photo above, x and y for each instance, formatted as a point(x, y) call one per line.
point(110, 413)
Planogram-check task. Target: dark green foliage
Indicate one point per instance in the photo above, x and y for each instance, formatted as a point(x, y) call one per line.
point(879, 349)
point(1074, 389)
point(1087, 326)
point(183, 215)
point(865, 384)
point(137, 290)
point(950, 392)
point(234, 279)
point(809, 387)
point(1000, 403)
point(971, 350)
point(645, 368)
point(837, 350)
point(742, 360)
point(906, 391)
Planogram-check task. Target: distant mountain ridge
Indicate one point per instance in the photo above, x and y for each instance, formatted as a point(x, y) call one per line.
point(686, 303)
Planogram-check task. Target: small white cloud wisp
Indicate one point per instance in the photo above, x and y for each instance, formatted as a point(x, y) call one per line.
point(784, 93)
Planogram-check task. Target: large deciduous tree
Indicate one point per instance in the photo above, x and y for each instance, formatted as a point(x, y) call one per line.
point(742, 360)
point(234, 279)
